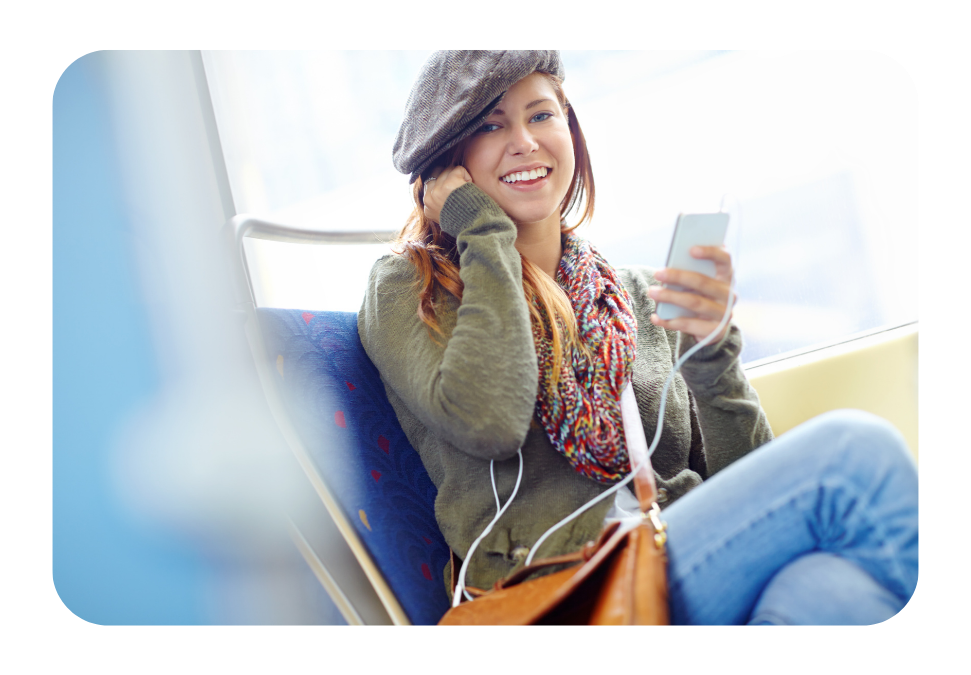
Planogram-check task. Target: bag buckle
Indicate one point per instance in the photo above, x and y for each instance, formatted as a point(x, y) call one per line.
point(660, 527)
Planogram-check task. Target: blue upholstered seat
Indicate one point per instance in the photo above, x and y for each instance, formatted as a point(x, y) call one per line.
point(336, 400)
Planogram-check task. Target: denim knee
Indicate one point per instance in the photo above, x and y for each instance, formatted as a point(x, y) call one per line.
point(860, 432)
point(867, 508)
point(822, 588)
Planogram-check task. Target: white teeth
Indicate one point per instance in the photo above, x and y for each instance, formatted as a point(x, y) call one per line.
point(525, 175)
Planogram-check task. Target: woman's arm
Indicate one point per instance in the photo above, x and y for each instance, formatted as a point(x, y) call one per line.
point(476, 386)
point(726, 420)
point(730, 418)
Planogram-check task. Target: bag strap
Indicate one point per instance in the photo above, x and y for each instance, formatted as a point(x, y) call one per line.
point(644, 486)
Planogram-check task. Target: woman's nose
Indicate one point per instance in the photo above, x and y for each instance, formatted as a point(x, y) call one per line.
point(521, 140)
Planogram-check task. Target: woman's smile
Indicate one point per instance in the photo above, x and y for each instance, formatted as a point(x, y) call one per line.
point(525, 180)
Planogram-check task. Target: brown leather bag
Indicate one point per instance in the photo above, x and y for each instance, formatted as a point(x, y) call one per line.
point(619, 579)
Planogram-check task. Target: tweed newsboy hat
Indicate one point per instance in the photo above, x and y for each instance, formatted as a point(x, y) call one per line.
point(454, 93)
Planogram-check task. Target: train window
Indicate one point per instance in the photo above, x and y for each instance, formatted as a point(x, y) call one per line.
point(307, 140)
point(818, 149)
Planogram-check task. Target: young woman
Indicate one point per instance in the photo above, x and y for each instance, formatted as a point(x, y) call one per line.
point(497, 330)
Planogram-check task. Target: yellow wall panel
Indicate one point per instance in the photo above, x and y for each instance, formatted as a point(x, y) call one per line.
point(877, 373)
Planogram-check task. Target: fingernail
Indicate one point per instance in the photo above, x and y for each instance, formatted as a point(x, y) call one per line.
point(661, 274)
point(696, 250)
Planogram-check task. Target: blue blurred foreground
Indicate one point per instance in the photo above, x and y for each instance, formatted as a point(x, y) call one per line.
point(171, 484)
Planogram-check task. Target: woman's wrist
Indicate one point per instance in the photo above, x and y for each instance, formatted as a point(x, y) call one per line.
point(466, 205)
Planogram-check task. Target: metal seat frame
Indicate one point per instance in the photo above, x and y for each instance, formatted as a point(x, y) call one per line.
point(344, 567)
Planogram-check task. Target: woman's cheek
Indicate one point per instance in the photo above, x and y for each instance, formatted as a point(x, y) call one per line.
point(487, 186)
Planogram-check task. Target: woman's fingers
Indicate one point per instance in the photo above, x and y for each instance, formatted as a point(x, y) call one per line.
point(439, 186)
point(462, 174)
point(706, 297)
point(698, 328)
point(701, 284)
point(718, 255)
point(428, 197)
point(704, 306)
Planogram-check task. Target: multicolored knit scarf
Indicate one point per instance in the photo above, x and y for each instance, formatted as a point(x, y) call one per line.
point(582, 416)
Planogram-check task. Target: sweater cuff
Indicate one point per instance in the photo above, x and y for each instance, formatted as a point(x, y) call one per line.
point(464, 205)
point(729, 346)
point(705, 371)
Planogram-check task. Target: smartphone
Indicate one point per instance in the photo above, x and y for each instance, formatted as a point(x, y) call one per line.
point(692, 229)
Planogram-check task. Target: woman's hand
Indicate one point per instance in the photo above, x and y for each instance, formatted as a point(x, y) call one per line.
point(707, 297)
point(440, 186)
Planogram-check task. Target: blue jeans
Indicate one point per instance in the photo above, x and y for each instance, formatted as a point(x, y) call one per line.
point(817, 527)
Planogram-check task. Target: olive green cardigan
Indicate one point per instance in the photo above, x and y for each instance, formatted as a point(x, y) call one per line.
point(470, 397)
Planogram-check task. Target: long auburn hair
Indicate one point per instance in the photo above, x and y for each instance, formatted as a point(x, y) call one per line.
point(435, 257)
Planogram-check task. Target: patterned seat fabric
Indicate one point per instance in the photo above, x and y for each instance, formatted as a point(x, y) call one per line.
point(336, 401)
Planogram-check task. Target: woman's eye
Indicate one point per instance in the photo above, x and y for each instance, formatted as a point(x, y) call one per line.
point(490, 127)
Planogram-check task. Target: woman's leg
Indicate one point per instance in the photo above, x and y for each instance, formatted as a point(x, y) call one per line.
point(842, 483)
point(824, 589)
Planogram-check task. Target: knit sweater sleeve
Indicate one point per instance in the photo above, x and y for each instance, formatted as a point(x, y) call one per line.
point(732, 422)
point(476, 386)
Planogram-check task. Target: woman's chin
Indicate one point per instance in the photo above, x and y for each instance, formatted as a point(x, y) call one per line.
point(523, 214)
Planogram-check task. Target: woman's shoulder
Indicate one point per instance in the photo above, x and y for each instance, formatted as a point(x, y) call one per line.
point(392, 277)
point(390, 299)
point(392, 264)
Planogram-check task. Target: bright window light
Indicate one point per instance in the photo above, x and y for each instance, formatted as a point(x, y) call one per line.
point(819, 149)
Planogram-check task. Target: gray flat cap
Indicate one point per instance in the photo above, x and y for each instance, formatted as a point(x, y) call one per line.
point(454, 93)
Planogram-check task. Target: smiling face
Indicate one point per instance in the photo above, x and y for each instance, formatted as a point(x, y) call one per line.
point(522, 155)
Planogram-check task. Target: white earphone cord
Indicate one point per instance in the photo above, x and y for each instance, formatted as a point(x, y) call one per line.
point(460, 586)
